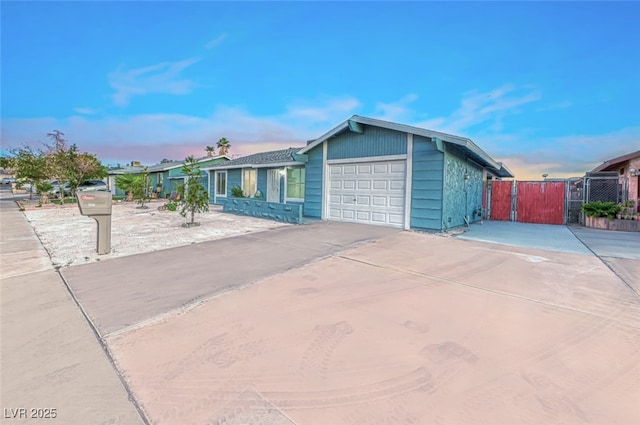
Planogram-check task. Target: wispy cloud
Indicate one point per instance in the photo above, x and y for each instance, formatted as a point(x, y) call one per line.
point(327, 109)
point(484, 107)
point(216, 41)
point(163, 78)
point(84, 111)
point(398, 110)
point(151, 137)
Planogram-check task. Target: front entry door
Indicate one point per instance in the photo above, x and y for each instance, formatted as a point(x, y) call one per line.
point(273, 186)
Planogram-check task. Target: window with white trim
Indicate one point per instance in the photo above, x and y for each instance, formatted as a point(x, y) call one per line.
point(295, 183)
point(221, 183)
point(249, 182)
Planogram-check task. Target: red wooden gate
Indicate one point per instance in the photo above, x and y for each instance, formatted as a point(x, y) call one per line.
point(501, 200)
point(540, 202)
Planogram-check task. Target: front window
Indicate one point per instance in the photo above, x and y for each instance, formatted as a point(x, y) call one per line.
point(295, 183)
point(221, 183)
point(249, 182)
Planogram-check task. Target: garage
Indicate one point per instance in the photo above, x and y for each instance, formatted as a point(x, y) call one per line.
point(368, 192)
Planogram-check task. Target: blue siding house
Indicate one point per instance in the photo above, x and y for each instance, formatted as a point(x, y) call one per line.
point(272, 185)
point(367, 171)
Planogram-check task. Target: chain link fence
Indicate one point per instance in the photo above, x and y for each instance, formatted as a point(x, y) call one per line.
point(602, 186)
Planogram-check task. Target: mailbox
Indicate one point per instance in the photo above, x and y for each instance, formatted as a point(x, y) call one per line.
point(97, 205)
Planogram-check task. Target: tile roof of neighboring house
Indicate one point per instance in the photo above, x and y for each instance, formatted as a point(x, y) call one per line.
point(282, 156)
point(612, 163)
point(163, 166)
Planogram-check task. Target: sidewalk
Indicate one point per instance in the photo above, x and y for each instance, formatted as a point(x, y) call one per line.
point(52, 365)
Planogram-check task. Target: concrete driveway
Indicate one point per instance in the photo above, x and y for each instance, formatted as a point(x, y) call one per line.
point(129, 291)
point(620, 251)
point(397, 328)
point(334, 323)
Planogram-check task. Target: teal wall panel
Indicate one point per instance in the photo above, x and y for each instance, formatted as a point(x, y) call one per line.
point(426, 185)
point(374, 141)
point(234, 178)
point(461, 196)
point(262, 182)
point(313, 183)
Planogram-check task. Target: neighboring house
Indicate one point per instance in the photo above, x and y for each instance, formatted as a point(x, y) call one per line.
point(371, 171)
point(627, 168)
point(163, 178)
point(274, 176)
point(114, 172)
point(172, 175)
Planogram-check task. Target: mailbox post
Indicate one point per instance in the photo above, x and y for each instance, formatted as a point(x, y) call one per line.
point(97, 205)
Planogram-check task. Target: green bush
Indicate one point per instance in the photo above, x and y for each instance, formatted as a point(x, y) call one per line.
point(236, 192)
point(601, 209)
point(172, 206)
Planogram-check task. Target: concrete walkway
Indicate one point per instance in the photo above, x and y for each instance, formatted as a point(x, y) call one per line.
point(51, 360)
point(548, 237)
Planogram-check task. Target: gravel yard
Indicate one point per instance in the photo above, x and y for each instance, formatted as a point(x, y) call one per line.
point(70, 238)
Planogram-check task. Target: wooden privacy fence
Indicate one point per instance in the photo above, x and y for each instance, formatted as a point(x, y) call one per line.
point(541, 202)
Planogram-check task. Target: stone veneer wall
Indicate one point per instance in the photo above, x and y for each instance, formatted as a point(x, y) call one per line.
point(288, 213)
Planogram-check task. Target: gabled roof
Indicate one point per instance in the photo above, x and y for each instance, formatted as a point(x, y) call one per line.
point(615, 162)
point(262, 159)
point(466, 146)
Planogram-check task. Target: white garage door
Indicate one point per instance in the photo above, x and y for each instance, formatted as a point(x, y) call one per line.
point(368, 192)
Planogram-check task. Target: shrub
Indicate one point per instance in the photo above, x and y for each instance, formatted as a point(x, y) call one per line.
point(601, 209)
point(236, 192)
point(172, 206)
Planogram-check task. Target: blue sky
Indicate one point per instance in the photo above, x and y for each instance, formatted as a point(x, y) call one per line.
point(545, 87)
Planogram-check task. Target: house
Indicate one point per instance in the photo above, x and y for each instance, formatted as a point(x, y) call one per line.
point(171, 175)
point(627, 168)
point(368, 171)
point(274, 176)
point(163, 178)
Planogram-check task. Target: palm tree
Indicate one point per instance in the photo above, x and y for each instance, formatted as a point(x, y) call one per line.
point(211, 150)
point(223, 146)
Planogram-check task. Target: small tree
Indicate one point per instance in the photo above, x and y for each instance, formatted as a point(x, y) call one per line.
point(43, 188)
point(210, 150)
point(143, 188)
point(193, 195)
point(223, 146)
point(131, 184)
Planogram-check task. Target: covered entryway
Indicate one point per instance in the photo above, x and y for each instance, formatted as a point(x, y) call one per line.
point(368, 192)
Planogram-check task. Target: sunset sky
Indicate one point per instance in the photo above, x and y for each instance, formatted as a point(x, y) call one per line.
point(545, 87)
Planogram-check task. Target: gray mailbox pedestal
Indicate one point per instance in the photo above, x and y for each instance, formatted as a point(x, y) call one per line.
point(97, 205)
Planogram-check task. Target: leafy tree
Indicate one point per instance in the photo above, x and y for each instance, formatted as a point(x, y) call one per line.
point(223, 146)
point(6, 162)
point(69, 166)
point(210, 150)
point(194, 197)
point(30, 167)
